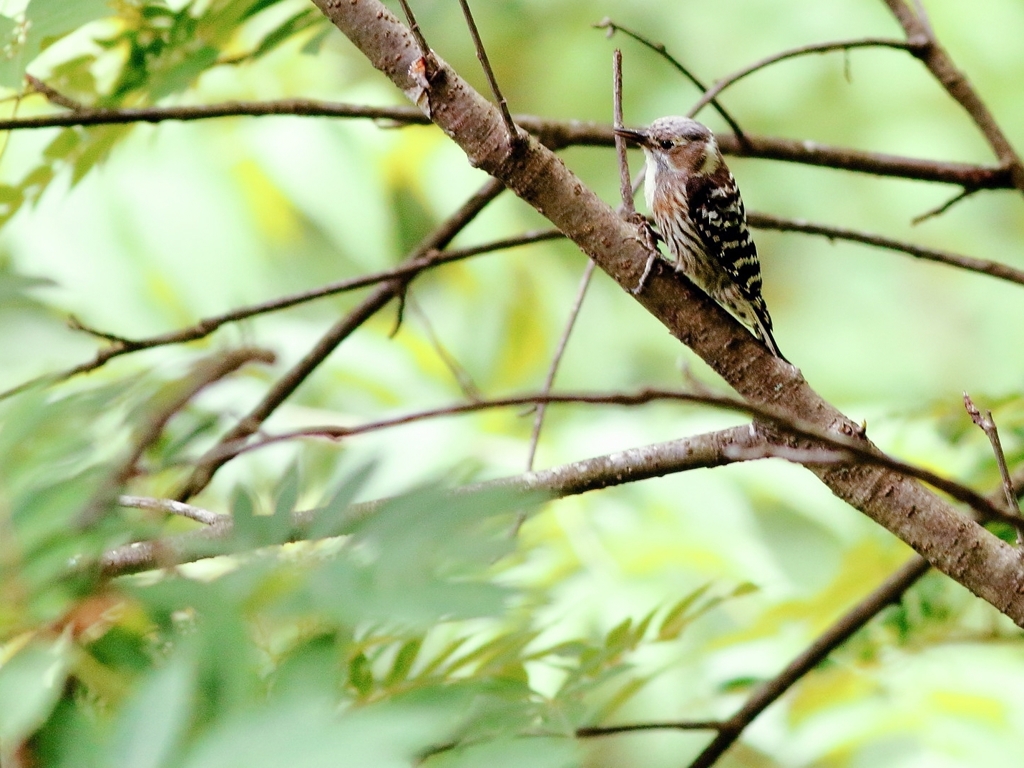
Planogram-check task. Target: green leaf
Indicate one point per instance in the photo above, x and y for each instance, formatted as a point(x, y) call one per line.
point(404, 660)
point(181, 76)
point(101, 139)
point(152, 723)
point(307, 732)
point(675, 620)
point(619, 637)
point(286, 495)
point(360, 674)
point(641, 629)
point(300, 21)
point(331, 519)
point(442, 656)
point(625, 692)
point(63, 144)
point(11, 199)
point(30, 685)
point(46, 21)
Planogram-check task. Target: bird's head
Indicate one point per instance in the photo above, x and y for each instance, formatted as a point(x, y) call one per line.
point(678, 144)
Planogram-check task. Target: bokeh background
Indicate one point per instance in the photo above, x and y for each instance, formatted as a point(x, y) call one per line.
point(185, 220)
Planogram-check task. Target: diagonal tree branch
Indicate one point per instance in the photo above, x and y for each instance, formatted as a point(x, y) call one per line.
point(287, 384)
point(952, 542)
point(916, 26)
point(889, 592)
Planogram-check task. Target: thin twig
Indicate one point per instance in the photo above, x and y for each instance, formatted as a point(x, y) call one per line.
point(971, 264)
point(287, 384)
point(466, 384)
point(53, 95)
point(123, 346)
point(661, 50)
point(414, 28)
point(888, 593)
point(628, 188)
point(171, 507)
point(77, 325)
point(556, 360)
point(941, 209)
point(492, 81)
point(988, 426)
point(838, 45)
point(682, 725)
point(625, 183)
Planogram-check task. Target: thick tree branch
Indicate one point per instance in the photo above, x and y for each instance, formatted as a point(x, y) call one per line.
point(952, 542)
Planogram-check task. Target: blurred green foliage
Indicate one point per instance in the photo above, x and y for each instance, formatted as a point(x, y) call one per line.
point(423, 632)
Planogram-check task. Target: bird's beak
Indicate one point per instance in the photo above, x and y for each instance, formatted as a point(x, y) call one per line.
point(637, 137)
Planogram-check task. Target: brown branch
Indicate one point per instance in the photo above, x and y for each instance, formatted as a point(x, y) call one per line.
point(89, 116)
point(971, 264)
point(839, 45)
point(414, 28)
point(626, 466)
point(171, 507)
point(661, 50)
point(988, 425)
point(888, 593)
point(52, 95)
point(941, 209)
point(682, 725)
point(124, 346)
point(956, 84)
point(552, 133)
point(956, 545)
point(287, 384)
point(625, 182)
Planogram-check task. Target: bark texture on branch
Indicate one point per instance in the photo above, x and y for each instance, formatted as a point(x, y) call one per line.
point(949, 540)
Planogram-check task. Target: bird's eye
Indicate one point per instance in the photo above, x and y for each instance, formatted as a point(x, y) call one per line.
point(665, 144)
